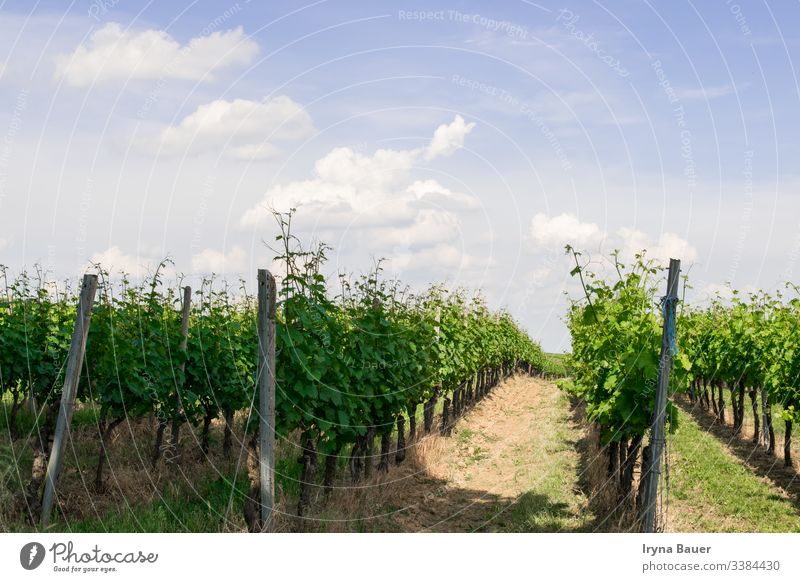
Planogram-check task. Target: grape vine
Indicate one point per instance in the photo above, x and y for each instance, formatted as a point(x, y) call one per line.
point(352, 365)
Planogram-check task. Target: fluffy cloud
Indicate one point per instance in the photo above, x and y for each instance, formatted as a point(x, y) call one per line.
point(555, 232)
point(668, 246)
point(373, 201)
point(241, 129)
point(114, 54)
point(115, 261)
point(432, 193)
point(381, 170)
point(443, 257)
point(210, 261)
point(142, 264)
point(254, 151)
point(429, 227)
point(372, 189)
point(448, 138)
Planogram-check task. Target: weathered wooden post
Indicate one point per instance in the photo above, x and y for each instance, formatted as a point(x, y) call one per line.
point(72, 376)
point(266, 393)
point(652, 469)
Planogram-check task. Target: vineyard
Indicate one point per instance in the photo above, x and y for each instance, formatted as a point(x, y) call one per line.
point(368, 373)
point(719, 354)
point(352, 369)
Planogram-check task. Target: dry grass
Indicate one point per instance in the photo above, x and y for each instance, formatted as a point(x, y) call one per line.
point(130, 480)
point(368, 505)
point(132, 483)
point(617, 514)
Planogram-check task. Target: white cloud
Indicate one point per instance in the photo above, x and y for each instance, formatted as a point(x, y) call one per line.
point(115, 261)
point(3, 69)
point(345, 181)
point(432, 193)
point(447, 259)
point(241, 129)
point(374, 202)
point(445, 256)
point(557, 231)
point(430, 227)
point(382, 169)
point(553, 233)
point(3, 243)
point(633, 241)
point(210, 261)
point(256, 151)
point(114, 54)
point(669, 246)
point(448, 138)
point(371, 189)
point(282, 197)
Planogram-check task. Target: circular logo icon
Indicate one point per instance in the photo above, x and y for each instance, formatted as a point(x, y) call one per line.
point(31, 555)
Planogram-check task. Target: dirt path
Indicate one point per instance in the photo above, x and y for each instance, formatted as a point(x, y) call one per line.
point(513, 464)
point(510, 465)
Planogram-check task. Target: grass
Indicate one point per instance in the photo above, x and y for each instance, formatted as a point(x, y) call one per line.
point(145, 501)
point(464, 435)
point(558, 363)
point(85, 414)
point(557, 357)
point(552, 502)
point(778, 424)
point(476, 454)
point(712, 491)
point(201, 510)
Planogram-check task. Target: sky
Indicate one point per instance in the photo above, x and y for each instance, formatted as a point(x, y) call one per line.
point(461, 142)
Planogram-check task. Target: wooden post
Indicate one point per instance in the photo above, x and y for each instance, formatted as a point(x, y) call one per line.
point(266, 393)
point(653, 468)
point(177, 419)
point(72, 376)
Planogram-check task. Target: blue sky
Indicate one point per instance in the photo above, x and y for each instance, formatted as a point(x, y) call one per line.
point(464, 141)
